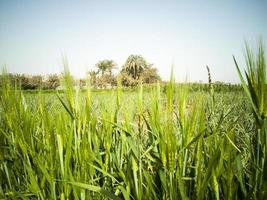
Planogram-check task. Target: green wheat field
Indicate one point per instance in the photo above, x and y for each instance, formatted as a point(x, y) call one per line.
point(154, 142)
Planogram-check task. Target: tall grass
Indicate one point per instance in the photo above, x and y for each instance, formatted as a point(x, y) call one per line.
point(255, 87)
point(135, 145)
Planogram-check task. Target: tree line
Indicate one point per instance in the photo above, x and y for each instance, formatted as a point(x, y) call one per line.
point(135, 70)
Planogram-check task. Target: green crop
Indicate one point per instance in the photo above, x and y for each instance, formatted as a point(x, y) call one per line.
point(153, 142)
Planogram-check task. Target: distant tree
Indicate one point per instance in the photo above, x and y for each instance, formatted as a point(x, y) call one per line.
point(134, 65)
point(105, 66)
point(82, 83)
point(11, 79)
point(103, 76)
point(105, 80)
point(136, 69)
point(150, 75)
point(52, 81)
point(92, 76)
point(19, 80)
point(35, 82)
point(127, 80)
point(16, 79)
point(24, 81)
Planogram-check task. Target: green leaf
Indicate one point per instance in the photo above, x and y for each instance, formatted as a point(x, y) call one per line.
point(66, 107)
point(97, 189)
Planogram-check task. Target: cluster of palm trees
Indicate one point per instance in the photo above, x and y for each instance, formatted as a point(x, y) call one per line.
point(105, 66)
point(135, 65)
point(134, 70)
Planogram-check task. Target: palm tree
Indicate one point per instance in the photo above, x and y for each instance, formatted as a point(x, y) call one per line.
point(105, 66)
point(134, 65)
point(92, 75)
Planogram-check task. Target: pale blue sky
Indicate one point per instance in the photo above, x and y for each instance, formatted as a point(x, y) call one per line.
point(188, 34)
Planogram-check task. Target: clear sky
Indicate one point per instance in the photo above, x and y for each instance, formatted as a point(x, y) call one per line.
point(188, 34)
